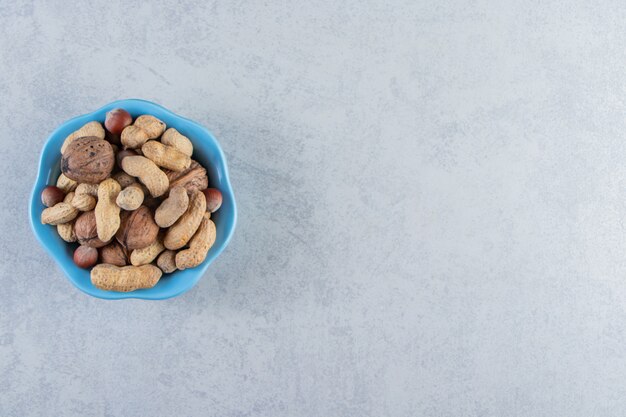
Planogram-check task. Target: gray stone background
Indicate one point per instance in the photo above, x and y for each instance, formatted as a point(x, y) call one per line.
point(431, 209)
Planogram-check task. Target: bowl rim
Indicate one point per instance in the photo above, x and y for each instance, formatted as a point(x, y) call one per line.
point(144, 294)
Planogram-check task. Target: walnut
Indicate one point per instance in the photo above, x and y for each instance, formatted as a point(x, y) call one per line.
point(86, 231)
point(137, 229)
point(115, 254)
point(193, 178)
point(88, 159)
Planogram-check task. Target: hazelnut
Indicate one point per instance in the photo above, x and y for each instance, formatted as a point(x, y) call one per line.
point(85, 256)
point(213, 199)
point(52, 195)
point(116, 120)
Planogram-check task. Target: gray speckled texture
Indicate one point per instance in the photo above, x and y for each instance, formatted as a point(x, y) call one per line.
point(431, 210)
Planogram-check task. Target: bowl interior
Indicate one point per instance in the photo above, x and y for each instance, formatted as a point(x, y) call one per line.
point(206, 151)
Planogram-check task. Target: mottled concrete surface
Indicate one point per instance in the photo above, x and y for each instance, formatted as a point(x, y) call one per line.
point(431, 202)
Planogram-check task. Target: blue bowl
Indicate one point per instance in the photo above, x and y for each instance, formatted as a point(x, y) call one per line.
point(206, 151)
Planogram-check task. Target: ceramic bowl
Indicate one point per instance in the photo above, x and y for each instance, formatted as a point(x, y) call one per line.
point(207, 152)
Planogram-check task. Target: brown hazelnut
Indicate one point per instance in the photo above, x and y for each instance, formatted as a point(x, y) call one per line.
point(116, 120)
point(213, 199)
point(85, 256)
point(89, 159)
point(86, 232)
point(52, 195)
point(137, 229)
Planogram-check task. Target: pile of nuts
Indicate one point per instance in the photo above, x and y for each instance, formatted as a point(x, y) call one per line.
point(132, 197)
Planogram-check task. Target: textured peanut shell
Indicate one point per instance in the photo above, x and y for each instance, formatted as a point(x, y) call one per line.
point(66, 231)
point(114, 254)
point(172, 208)
point(148, 173)
point(69, 197)
point(179, 234)
point(107, 211)
point(193, 178)
point(89, 159)
point(167, 261)
point(133, 137)
point(126, 278)
point(137, 229)
point(58, 214)
point(89, 189)
point(86, 231)
point(83, 202)
point(165, 156)
point(151, 125)
point(66, 184)
point(172, 137)
point(199, 245)
point(148, 254)
point(89, 129)
point(131, 197)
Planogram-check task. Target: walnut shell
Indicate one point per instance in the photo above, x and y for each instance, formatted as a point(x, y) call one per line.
point(114, 254)
point(137, 229)
point(86, 232)
point(193, 178)
point(89, 159)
